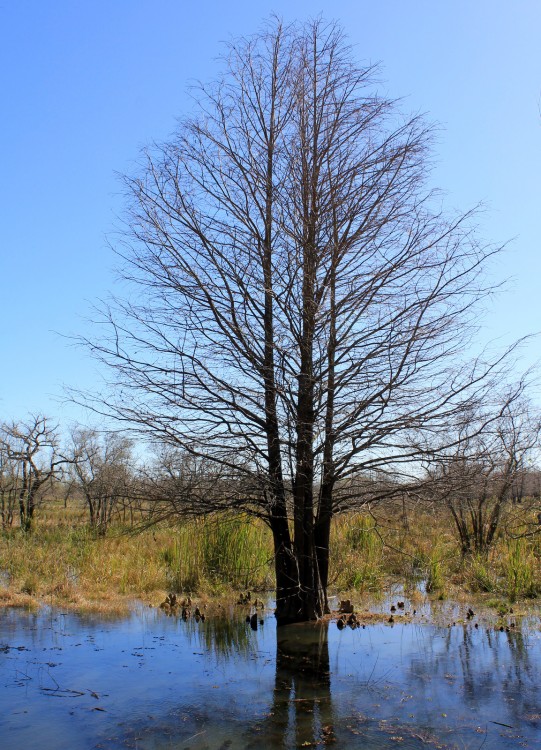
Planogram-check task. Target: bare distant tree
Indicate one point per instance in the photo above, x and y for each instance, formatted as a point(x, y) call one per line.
point(301, 303)
point(8, 486)
point(478, 479)
point(32, 460)
point(101, 468)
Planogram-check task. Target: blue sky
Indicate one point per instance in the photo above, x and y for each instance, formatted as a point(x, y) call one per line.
point(86, 84)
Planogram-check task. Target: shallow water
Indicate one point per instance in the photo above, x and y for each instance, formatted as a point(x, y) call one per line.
point(153, 682)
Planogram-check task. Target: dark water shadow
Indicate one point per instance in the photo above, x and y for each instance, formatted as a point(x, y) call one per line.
point(302, 710)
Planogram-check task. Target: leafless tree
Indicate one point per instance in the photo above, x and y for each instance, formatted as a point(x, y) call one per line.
point(101, 468)
point(8, 486)
point(300, 300)
point(178, 484)
point(31, 459)
point(478, 479)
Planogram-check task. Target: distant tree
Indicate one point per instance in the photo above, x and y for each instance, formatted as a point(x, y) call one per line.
point(32, 460)
point(479, 479)
point(177, 483)
point(101, 468)
point(301, 302)
point(8, 486)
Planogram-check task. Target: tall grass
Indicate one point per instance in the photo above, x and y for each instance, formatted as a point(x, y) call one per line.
point(512, 570)
point(211, 554)
point(521, 570)
point(72, 564)
point(357, 554)
point(63, 561)
point(481, 575)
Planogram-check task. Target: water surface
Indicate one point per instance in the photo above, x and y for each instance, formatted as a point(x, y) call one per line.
point(153, 682)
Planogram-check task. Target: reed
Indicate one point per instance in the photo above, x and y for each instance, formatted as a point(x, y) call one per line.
point(357, 554)
point(70, 564)
point(211, 554)
point(521, 570)
point(480, 575)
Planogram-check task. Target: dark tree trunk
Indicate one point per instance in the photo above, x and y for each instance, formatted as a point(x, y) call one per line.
point(27, 502)
point(295, 602)
point(288, 601)
point(322, 538)
point(322, 534)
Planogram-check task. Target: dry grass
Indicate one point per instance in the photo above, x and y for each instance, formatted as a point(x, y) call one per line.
point(63, 563)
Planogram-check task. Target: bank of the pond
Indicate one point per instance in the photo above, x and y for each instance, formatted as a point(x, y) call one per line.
point(350, 610)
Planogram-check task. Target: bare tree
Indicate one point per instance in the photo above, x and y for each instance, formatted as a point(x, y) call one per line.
point(178, 484)
point(32, 459)
point(8, 485)
point(101, 469)
point(478, 479)
point(300, 301)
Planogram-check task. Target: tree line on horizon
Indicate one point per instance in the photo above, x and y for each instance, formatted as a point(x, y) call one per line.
point(490, 487)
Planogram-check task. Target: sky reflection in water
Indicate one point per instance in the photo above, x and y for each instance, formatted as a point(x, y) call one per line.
point(153, 682)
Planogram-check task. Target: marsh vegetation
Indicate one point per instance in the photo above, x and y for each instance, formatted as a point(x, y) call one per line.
point(66, 562)
point(298, 421)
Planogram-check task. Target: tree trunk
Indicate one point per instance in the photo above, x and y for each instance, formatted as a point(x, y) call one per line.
point(27, 504)
point(295, 602)
point(325, 508)
point(322, 538)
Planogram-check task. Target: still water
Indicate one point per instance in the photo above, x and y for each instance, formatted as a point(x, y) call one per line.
point(153, 682)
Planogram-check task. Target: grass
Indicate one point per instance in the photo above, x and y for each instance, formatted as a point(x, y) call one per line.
point(66, 563)
point(357, 555)
point(63, 562)
point(212, 554)
point(521, 570)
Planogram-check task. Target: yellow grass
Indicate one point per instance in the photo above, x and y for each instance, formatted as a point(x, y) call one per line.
point(63, 563)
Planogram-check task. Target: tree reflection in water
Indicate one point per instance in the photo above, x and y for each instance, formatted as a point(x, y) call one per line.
point(302, 712)
point(218, 684)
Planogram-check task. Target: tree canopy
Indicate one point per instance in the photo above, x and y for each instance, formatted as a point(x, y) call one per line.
point(300, 303)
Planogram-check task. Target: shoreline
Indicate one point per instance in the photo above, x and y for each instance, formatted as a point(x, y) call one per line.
point(478, 610)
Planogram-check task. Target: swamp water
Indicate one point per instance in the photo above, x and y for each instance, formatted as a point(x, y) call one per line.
point(153, 682)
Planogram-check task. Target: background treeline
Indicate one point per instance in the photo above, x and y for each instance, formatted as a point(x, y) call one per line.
point(87, 516)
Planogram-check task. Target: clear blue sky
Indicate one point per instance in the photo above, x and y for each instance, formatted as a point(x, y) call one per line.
point(85, 84)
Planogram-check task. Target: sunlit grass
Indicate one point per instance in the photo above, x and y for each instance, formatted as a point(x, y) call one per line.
point(357, 554)
point(69, 564)
point(64, 562)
